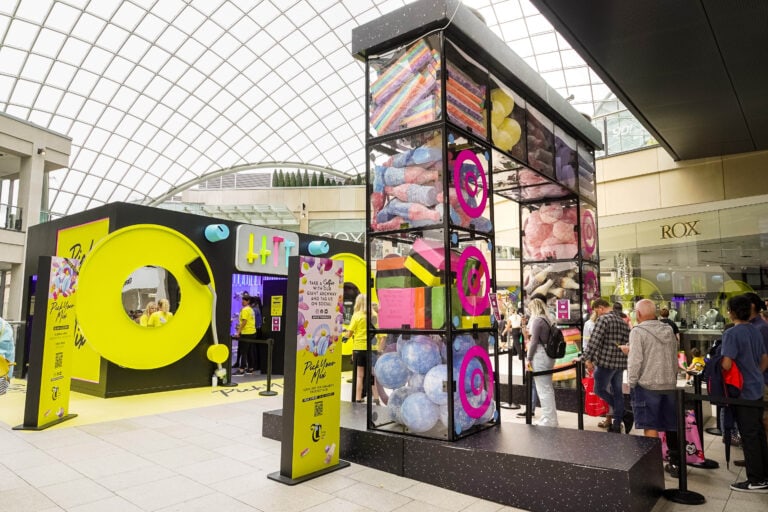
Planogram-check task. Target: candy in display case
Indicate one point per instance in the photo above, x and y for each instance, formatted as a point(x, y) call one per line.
point(588, 232)
point(566, 159)
point(539, 135)
point(521, 184)
point(591, 285)
point(549, 231)
point(559, 284)
point(586, 173)
point(405, 87)
point(468, 184)
point(465, 92)
point(508, 121)
point(407, 182)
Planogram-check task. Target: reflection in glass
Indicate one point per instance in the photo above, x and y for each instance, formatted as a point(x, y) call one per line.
point(150, 296)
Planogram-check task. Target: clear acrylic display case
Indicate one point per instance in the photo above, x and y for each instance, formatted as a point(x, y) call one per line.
point(588, 232)
point(549, 231)
point(466, 92)
point(539, 135)
point(407, 182)
point(468, 184)
point(587, 173)
point(404, 89)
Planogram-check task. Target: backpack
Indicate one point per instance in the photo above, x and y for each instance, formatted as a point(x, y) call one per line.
point(721, 383)
point(555, 345)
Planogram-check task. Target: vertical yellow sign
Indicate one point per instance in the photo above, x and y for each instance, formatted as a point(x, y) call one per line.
point(318, 366)
point(277, 306)
point(59, 341)
point(76, 242)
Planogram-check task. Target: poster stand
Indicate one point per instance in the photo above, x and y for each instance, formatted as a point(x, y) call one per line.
point(312, 395)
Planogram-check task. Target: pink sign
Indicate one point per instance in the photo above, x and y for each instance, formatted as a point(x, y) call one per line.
point(275, 323)
point(563, 309)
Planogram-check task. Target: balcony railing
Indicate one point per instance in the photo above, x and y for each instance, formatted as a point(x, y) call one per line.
point(10, 216)
point(622, 133)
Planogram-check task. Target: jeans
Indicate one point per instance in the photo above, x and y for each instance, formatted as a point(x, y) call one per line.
point(608, 387)
point(541, 361)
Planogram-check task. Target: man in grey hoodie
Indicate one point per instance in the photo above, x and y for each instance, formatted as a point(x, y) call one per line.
point(652, 367)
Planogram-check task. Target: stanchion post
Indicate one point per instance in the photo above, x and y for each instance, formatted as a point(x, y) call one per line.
point(682, 494)
point(268, 391)
point(698, 406)
point(528, 398)
point(580, 394)
point(510, 382)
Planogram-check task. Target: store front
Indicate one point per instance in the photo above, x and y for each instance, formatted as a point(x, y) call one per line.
point(690, 264)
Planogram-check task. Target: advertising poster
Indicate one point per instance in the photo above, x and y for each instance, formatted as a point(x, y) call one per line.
point(76, 242)
point(311, 406)
point(47, 401)
point(318, 365)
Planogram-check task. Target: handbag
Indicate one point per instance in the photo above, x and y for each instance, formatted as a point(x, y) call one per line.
point(694, 453)
point(593, 404)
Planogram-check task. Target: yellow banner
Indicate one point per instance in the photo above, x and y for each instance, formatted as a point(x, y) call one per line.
point(318, 366)
point(76, 242)
point(59, 341)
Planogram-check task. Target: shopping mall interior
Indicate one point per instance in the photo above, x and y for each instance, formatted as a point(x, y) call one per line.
point(262, 113)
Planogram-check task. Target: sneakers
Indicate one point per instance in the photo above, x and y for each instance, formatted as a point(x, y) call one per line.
point(673, 470)
point(238, 373)
point(249, 371)
point(747, 486)
point(615, 429)
point(521, 414)
point(628, 420)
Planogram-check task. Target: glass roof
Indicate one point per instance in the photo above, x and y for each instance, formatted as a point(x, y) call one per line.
point(157, 93)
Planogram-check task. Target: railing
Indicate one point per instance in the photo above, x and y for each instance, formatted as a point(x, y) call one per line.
point(622, 133)
point(10, 217)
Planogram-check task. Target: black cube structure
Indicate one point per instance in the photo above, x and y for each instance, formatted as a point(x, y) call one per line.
point(453, 117)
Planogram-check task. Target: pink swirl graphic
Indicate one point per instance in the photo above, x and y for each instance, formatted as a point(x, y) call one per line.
point(471, 185)
point(474, 276)
point(588, 233)
point(482, 355)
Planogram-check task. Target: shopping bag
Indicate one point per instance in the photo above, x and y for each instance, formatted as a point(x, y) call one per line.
point(694, 453)
point(593, 404)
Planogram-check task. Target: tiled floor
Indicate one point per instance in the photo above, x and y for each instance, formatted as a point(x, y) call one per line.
point(214, 458)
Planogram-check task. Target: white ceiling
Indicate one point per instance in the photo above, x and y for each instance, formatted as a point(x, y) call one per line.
point(155, 93)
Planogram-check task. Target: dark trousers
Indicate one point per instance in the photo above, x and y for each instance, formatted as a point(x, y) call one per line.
point(753, 441)
point(249, 350)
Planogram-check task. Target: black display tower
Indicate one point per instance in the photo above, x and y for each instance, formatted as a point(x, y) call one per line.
point(454, 116)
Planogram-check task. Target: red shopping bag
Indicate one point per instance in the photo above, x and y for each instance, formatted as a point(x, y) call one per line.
point(593, 404)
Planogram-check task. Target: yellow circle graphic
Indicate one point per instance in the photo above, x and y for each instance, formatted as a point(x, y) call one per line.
point(217, 353)
point(100, 312)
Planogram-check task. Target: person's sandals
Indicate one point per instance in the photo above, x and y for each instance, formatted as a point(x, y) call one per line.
point(607, 422)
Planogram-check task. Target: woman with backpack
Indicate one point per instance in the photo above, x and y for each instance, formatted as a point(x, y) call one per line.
point(537, 334)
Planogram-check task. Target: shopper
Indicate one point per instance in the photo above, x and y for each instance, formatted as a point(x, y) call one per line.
point(245, 331)
point(651, 368)
point(162, 315)
point(358, 332)
point(539, 327)
point(665, 318)
point(149, 309)
point(589, 326)
point(7, 349)
point(756, 319)
point(743, 345)
point(608, 361)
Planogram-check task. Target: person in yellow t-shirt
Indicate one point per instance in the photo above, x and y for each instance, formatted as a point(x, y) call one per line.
point(150, 308)
point(162, 315)
point(697, 364)
point(358, 331)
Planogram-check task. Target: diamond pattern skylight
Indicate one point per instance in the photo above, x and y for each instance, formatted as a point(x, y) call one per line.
point(157, 93)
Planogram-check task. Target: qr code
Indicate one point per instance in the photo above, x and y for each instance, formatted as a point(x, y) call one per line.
point(59, 359)
point(319, 408)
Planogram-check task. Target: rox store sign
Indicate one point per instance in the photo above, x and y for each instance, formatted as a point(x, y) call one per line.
point(680, 229)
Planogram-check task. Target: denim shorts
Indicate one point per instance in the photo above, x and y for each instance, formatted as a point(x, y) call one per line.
point(653, 411)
